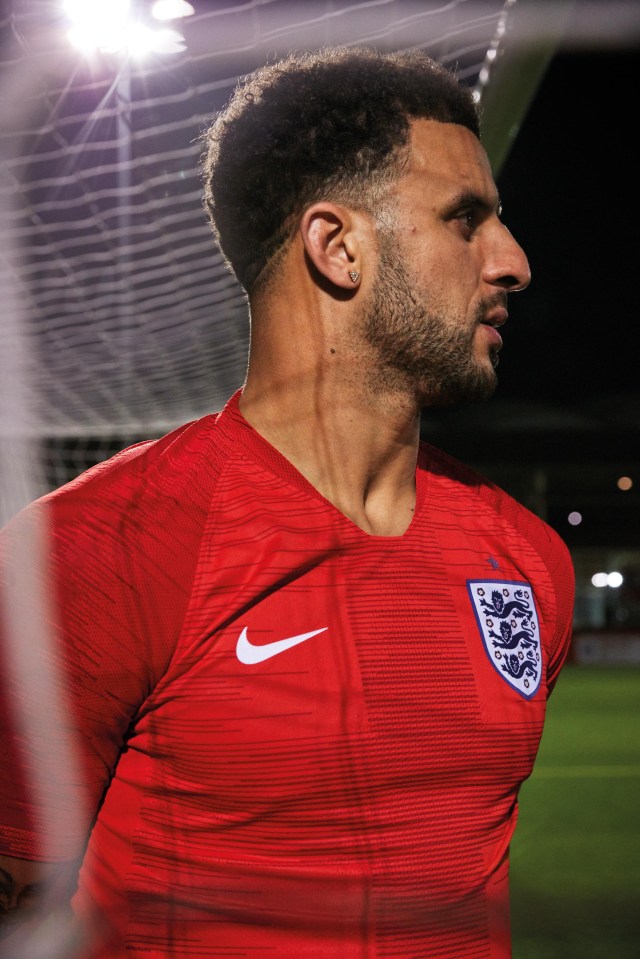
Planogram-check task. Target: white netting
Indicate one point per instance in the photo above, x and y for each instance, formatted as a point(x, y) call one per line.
point(120, 315)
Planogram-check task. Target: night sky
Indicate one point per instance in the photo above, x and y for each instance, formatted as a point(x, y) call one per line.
point(567, 405)
point(570, 195)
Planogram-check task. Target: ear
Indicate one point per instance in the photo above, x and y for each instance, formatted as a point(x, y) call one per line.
point(333, 241)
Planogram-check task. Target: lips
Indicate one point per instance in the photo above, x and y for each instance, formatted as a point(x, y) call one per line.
point(496, 317)
point(493, 337)
point(493, 319)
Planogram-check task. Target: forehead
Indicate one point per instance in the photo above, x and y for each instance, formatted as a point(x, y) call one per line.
point(446, 158)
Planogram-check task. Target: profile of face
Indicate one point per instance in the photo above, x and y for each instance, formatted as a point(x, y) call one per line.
point(443, 274)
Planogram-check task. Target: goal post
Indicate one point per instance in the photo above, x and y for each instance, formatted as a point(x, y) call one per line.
point(526, 39)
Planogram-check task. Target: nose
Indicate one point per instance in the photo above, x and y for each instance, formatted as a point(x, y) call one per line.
point(506, 265)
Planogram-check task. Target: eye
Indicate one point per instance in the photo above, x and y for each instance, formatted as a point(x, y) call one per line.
point(468, 220)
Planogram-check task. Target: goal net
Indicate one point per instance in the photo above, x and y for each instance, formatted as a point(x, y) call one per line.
point(121, 318)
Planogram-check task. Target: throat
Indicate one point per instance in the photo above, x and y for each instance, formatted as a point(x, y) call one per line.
point(365, 466)
point(377, 515)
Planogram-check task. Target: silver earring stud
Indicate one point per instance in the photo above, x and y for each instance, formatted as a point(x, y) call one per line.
point(355, 276)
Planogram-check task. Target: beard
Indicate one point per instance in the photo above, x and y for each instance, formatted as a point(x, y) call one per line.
point(420, 346)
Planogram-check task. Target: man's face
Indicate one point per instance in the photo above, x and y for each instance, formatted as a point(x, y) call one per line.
point(444, 272)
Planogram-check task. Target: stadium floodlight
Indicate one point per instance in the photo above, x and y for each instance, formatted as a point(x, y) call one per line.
point(171, 9)
point(106, 26)
point(98, 24)
point(168, 41)
point(141, 40)
point(103, 12)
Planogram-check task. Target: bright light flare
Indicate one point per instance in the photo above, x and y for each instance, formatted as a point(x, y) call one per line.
point(168, 41)
point(141, 40)
point(171, 9)
point(106, 26)
point(97, 24)
point(614, 580)
point(98, 14)
point(138, 39)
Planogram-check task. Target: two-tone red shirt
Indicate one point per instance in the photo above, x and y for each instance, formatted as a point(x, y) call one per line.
point(299, 739)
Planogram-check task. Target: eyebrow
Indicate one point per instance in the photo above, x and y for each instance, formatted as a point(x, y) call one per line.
point(468, 198)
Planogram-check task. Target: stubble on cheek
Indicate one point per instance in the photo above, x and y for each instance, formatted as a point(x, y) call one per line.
point(418, 346)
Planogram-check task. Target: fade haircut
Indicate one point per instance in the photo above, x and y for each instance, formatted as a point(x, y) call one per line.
point(329, 125)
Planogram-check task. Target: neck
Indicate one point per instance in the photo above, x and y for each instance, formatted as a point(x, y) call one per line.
point(356, 445)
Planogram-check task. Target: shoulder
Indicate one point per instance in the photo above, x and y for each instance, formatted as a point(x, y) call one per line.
point(158, 468)
point(472, 510)
point(148, 481)
point(146, 504)
point(118, 547)
point(463, 487)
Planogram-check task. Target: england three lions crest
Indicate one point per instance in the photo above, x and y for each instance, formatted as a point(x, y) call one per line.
point(508, 623)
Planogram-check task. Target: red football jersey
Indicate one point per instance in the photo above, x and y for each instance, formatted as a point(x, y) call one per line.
point(297, 739)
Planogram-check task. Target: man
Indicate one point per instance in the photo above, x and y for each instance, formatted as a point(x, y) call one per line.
point(308, 657)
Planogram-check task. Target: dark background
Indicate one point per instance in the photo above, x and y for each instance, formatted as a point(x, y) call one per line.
point(570, 192)
point(565, 421)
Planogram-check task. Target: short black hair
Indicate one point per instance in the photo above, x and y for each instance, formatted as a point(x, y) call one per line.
point(316, 126)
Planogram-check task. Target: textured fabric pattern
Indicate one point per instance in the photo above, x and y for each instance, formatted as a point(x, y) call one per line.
point(350, 796)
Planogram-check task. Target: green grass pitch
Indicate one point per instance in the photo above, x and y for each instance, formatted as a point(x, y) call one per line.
point(575, 856)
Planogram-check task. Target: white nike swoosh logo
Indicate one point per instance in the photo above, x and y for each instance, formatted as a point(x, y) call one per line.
point(249, 654)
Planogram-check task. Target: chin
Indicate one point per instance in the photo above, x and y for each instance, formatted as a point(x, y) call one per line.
point(476, 387)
